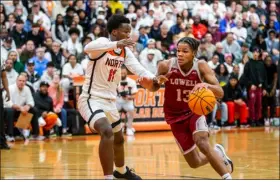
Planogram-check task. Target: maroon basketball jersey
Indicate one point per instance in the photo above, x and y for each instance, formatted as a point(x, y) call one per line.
point(177, 90)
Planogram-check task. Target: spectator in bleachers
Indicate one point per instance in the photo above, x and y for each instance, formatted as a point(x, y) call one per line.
point(28, 53)
point(214, 62)
point(201, 9)
point(40, 16)
point(199, 29)
point(55, 56)
point(260, 10)
point(203, 50)
point(11, 22)
point(240, 33)
point(18, 34)
point(59, 30)
point(68, 18)
point(245, 51)
point(252, 32)
point(252, 13)
point(216, 13)
point(210, 46)
point(18, 66)
point(73, 44)
point(222, 74)
point(131, 12)
point(255, 78)
point(186, 32)
point(10, 72)
point(152, 46)
point(245, 59)
point(48, 7)
point(84, 20)
point(169, 20)
point(57, 94)
point(227, 23)
point(164, 37)
point(176, 29)
point(32, 76)
point(143, 37)
point(36, 35)
point(28, 23)
point(228, 62)
point(231, 46)
point(116, 4)
point(216, 34)
point(76, 20)
point(48, 73)
point(236, 71)
point(48, 44)
point(70, 69)
point(21, 102)
point(187, 19)
point(269, 98)
point(272, 44)
point(6, 47)
point(60, 8)
point(219, 51)
point(155, 29)
point(40, 61)
point(149, 62)
point(234, 99)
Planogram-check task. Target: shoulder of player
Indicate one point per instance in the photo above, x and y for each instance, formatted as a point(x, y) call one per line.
point(202, 66)
point(163, 66)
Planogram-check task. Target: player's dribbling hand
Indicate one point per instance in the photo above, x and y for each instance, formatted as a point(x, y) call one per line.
point(125, 43)
point(200, 86)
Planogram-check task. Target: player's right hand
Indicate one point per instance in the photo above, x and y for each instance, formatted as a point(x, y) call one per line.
point(125, 43)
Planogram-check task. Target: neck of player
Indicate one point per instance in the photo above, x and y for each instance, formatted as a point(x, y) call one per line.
point(186, 67)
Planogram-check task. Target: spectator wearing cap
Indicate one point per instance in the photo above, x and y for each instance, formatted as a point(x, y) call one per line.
point(213, 29)
point(245, 50)
point(176, 29)
point(40, 61)
point(59, 30)
point(44, 105)
point(214, 62)
point(199, 29)
point(18, 34)
point(255, 79)
point(70, 70)
point(48, 73)
point(28, 52)
point(60, 8)
point(10, 72)
point(228, 62)
point(143, 37)
point(21, 102)
point(73, 44)
point(32, 76)
point(6, 47)
point(18, 66)
point(269, 98)
point(203, 50)
point(40, 16)
point(149, 62)
point(233, 97)
point(231, 46)
point(151, 46)
point(240, 33)
point(36, 35)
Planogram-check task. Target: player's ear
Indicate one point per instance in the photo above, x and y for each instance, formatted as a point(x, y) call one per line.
point(114, 32)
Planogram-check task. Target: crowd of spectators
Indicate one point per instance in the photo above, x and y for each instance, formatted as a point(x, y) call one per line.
point(43, 41)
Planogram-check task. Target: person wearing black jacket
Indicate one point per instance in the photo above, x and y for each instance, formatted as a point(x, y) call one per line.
point(234, 98)
point(43, 102)
point(255, 79)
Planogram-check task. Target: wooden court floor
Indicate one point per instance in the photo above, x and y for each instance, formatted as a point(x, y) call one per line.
point(153, 155)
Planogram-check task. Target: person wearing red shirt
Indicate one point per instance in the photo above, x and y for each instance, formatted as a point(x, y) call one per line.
point(199, 30)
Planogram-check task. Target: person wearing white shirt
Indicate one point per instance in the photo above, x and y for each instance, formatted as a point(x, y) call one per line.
point(60, 8)
point(40, 16)
point(221, 6)
point(131, 12)
point(240, 33)
point(11, 72)
point(70, 70)
point(180, 5)
point(251, 14)
point(151, 45)
point(21, 102)
point(169, 20)
point(48, 73)
point(202, 9)
point(158, 13)
point(72, 45)
point(214, 62)
point(149, 63)
point(126, 90)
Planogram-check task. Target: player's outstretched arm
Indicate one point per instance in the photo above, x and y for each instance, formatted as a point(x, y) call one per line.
point(153, 85)
point(211, 82)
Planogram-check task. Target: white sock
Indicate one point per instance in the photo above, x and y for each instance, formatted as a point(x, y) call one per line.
point(121, 170)
point(109, 177)
point(227, 176)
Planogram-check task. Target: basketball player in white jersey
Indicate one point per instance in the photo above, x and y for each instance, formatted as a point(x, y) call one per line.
point(97, 103)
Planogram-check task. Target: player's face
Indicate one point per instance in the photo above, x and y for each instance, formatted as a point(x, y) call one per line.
point(184, 54)
point(123, 32)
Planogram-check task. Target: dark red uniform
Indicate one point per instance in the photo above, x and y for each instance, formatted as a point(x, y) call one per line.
point(183, 122)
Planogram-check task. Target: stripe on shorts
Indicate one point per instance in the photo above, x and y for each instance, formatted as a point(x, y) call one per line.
point(116, 124)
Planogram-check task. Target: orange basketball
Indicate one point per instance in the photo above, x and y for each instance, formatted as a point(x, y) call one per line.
point(202, 102)
point(50, 121)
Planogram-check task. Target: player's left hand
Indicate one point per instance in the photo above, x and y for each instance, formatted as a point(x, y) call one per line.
point(200, 86)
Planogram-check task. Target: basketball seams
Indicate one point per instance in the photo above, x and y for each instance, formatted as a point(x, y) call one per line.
point(202, 98)
point(198, 97)
point(201, 107)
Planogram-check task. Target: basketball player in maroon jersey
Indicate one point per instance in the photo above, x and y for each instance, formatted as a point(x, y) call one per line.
point(186, 74)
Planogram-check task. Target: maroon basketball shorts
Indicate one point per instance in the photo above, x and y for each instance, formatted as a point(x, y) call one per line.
point(184, 130)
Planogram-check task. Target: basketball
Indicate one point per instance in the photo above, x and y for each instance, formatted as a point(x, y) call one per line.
point(50, 121)
point(202, 102)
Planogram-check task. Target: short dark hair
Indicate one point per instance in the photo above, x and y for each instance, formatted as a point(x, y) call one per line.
point(193, 43)
point(74, 30)
point(115, 22)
